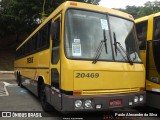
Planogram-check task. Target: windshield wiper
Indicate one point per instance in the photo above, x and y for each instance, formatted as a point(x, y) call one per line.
point(115, 42)
point(100, 47)
point(105, 40)
point(128, 57)
point(122, 49)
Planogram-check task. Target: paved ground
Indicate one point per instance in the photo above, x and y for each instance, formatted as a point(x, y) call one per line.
point(19, 100)
point(5, 76)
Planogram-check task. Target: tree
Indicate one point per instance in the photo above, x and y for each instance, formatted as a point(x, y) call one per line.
point(133, 10)
point(148, 8)
point(21, 17)
point(51, 5)
point(18, 17)
point(5, 18)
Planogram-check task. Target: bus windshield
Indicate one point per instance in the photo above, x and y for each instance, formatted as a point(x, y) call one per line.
point(123, 33)
point(84, 32)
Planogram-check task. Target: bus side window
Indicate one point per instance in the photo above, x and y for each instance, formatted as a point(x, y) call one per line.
point(157, 29)
point(142, 34)
point(55, 36)
point(43, 37)
point(156, 43)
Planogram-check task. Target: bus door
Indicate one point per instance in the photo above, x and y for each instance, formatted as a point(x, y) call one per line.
point(55, 62)
point(153, 71)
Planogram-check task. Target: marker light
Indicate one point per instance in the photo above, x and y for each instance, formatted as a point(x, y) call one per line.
point(98, 106)
point(73, 3)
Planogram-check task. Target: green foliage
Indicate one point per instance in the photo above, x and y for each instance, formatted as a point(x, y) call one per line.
point(133, 10)
point(147, 9)
point(18, 16)
point(4, 17)
point(22, 16)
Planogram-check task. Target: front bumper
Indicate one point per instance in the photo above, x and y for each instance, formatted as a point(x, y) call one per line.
point(103, 100)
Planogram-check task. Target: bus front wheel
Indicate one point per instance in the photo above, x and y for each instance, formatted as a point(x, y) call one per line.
point(45, 105)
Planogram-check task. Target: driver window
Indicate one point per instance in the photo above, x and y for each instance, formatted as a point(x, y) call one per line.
point(141, 29)
point(55, 41)
point(157, 28)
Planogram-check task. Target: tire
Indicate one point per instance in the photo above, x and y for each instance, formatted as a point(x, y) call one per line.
point(45, 105)
point(19, 80)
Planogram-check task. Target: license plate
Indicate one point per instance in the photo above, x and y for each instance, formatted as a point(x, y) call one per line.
point(116, 102)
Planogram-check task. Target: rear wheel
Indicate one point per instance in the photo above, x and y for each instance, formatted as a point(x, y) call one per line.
point(19, 80)
point(45, 105)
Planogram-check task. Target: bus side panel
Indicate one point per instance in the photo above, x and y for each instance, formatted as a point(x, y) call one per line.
point(30, 84)
point(153, 80)
point(56, 98)
point(153, 99)
point(33, 67)
point(153, 94)
point(153, 77)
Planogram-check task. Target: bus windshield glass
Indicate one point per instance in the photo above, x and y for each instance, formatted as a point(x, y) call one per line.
point(124, 37)
point(85, 31)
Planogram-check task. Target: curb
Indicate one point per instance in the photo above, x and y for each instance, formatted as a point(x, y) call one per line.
point(6, 72)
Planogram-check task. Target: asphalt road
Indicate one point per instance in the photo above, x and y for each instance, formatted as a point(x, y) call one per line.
point(23, 105)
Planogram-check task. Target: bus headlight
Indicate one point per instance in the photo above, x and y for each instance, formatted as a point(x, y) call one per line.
point(78, 104)
point(88, 104)
point(141, 98)
point(136, 99)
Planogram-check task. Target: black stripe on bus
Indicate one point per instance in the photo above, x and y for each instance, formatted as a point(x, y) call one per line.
point(33, 67)
point(153, 92)
point(46, 47)
point(66, 92)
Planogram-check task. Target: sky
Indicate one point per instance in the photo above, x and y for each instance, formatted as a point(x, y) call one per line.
point(122, 3)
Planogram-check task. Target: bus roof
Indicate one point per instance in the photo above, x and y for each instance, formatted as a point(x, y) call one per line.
point(79, 5)
point(145, 18)
point(157, 14)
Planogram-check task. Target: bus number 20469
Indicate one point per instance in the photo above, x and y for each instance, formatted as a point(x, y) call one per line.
point(88, 75)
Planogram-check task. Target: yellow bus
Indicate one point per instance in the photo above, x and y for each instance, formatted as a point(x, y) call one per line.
point(83, 57)
point(148, 32)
